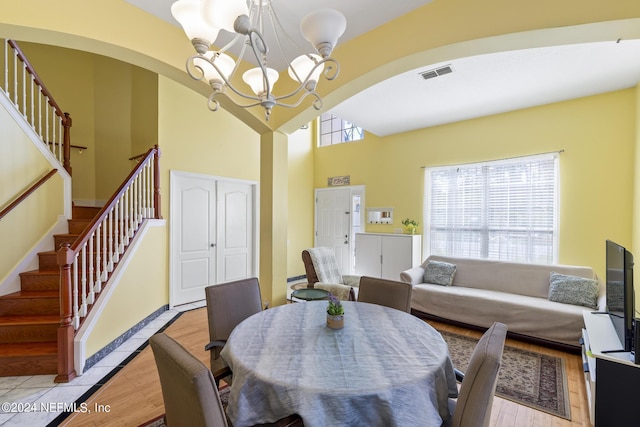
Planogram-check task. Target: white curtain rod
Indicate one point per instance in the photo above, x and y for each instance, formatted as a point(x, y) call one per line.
point(495, 160)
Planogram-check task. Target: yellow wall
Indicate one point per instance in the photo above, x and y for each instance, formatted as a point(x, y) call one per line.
point(596, 169)
point(113, 106)
point(192, 139)
point(141, 291)
point(300, 199)
point(144, 111)
point(21, 165)
point(68, 74)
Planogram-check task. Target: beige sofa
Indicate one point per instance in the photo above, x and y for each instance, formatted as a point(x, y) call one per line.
point(485, 291)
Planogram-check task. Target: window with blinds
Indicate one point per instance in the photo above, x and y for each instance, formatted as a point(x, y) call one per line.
point(503, 210)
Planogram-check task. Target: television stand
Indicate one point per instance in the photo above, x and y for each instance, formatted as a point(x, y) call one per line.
point(611, 378)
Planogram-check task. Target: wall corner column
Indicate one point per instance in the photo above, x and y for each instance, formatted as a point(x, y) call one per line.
point(273, 217)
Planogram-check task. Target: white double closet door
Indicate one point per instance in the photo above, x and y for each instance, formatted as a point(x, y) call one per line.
point(213, 233)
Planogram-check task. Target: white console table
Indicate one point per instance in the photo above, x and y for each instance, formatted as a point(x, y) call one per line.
point(612, 379)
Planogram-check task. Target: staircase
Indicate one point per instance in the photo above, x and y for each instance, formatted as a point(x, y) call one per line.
point(29, 318)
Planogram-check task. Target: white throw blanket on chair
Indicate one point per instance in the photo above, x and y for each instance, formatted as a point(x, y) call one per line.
point(325, 264)
point(328, 272)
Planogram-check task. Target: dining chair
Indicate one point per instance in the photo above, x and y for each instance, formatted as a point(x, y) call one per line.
point(322, 271)
point(473, 406)
point(228, 304)
point(189, 391)
point(390, 293)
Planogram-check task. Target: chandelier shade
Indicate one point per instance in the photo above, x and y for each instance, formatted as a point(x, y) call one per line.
point(224, 63)
point(223, 13)
point(202, 21)
point(322, 29)
point(187, 13)
point(304, 68)
point(256, 79)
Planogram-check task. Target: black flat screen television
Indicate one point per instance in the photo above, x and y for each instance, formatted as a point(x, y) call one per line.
point(620, 296)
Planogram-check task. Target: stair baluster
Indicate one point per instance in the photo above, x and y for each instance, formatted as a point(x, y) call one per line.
point(117, 222)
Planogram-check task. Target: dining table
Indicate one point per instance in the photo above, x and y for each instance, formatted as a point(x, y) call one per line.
point(385, 367)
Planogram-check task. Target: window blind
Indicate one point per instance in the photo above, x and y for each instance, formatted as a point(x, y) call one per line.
point(503, 210)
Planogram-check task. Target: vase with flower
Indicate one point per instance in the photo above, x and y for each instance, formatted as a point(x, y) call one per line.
point(335, 313)
point(410, 225)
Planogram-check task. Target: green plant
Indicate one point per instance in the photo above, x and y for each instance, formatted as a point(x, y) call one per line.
point(335, 307)
point(409, 222)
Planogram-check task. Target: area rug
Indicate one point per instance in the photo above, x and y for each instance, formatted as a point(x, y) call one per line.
point(528, 378)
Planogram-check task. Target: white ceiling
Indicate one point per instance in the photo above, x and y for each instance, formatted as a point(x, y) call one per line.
point(493, 83)
point(479, 86)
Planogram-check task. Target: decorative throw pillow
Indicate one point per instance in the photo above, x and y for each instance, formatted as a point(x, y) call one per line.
point(439, 273)
point(573, 290)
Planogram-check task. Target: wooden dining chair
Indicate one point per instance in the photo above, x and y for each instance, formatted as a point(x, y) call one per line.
point(473, 406)
point(390, 293)
point(189, 391)
point(228, 304)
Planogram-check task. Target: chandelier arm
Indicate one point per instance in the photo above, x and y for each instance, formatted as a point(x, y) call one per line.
point(317, 104)
point(192, 64)
point(256, 38)
point(213, 103)
point(194, 76)
point(275, 25)
point(332, 70)
point(216, 103)
point(307, 80)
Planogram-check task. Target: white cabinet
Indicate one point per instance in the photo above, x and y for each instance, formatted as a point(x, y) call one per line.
point(387, 255)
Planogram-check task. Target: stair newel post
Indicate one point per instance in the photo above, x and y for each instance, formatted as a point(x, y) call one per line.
point(66, 123)
point(66, 371)
point(156, 182)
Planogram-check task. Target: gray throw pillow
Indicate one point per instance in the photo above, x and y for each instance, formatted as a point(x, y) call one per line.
point(439, 273)
point(573, 290)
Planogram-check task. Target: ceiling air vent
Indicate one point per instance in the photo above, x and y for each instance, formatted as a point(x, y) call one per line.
point(437, 72)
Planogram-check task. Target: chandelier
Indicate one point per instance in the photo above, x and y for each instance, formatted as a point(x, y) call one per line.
point(204, 20)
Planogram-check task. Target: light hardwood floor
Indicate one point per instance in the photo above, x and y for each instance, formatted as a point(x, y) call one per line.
point(133, 395)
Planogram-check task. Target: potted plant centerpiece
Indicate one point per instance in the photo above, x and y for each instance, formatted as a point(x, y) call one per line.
point(335, 313)
point(410, 225)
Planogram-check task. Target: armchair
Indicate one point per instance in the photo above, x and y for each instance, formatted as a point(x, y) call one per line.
point(323, 272)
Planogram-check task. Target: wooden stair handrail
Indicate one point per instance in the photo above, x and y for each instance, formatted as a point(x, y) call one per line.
point(68, 255)
point(82, 239)
point(38, 80)
point(65, 118)
point(27, 193)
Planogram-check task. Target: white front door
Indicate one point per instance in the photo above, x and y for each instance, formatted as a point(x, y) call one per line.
point(213, 234)
point(336, 222)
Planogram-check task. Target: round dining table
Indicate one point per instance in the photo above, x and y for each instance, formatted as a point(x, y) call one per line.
point(384, 368)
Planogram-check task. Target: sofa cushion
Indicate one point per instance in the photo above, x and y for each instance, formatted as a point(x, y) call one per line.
point(512, 277)
point(439, 273)
point(574, 290)
point(525, 315)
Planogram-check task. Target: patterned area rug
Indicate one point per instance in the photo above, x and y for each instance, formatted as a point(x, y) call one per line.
point(532, 379)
